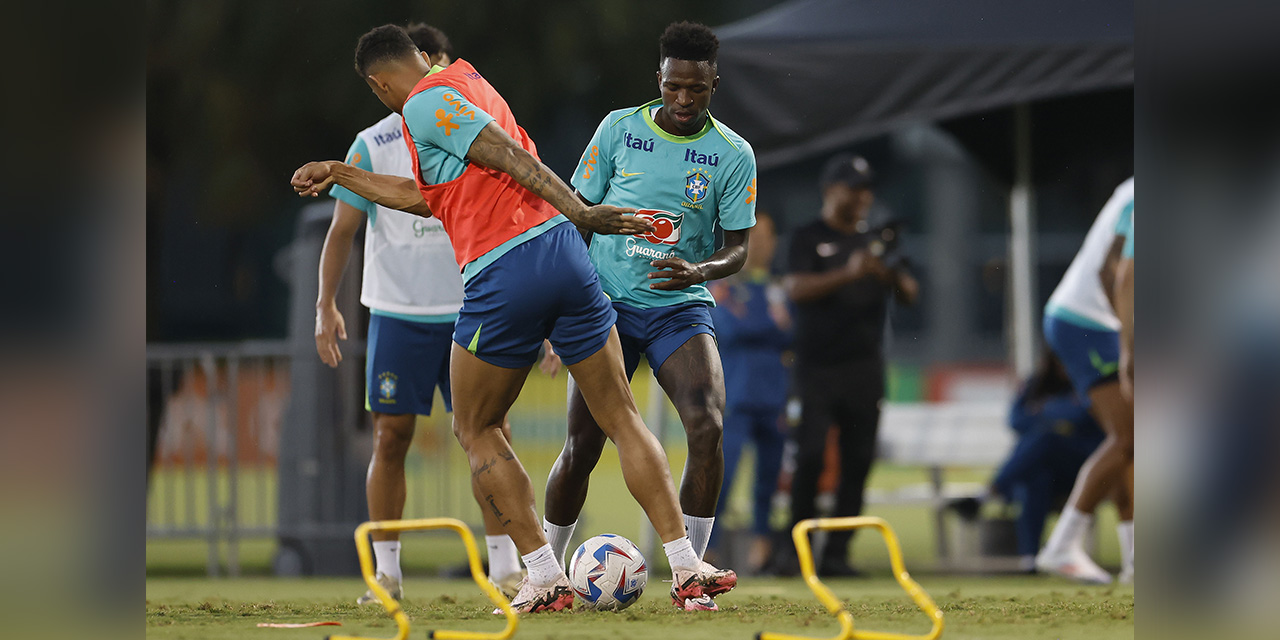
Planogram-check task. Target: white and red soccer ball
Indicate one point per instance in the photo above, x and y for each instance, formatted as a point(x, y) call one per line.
point(608, 572)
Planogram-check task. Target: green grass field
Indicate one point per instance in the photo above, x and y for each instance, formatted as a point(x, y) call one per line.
point(184, 604)
point(975, 607)
point(610, 509)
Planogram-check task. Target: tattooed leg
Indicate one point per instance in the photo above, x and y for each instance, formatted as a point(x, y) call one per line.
point(491, 525)
point(482, 394)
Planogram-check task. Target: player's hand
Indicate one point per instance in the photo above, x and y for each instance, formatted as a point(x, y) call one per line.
point(609, 220)
point(550, 364)
point(312, 178)
point(682, 274)
point(330, 327)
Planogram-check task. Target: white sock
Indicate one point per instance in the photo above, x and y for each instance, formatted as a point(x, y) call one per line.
point(558, 537)
point(543, 569)
point(699, 530)
point(504, 560)
point(1027, 563)
point(1125, 531)
point(1069, 532)
point(680, 553)
point(386, 556)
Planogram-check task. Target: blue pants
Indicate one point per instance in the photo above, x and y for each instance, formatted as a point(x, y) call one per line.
point(762, 427)
point(1042, 468)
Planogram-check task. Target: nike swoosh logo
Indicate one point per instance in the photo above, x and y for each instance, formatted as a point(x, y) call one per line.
point(624, 174)
point(1103, 367)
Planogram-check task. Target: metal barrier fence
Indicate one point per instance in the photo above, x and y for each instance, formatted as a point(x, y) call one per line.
point(213, 414)
point(217, 412)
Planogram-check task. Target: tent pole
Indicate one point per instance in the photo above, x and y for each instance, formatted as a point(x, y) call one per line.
point(1022, 260)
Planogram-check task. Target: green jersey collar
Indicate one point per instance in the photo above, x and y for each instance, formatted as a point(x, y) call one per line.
point(648, 119)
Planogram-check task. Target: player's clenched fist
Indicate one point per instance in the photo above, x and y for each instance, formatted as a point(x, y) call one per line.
point(312, 178)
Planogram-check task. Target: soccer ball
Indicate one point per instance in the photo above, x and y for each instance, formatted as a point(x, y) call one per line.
point(608, 572)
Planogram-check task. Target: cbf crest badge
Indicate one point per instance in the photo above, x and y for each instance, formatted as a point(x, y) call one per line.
point(696, 186)
point(387, 387)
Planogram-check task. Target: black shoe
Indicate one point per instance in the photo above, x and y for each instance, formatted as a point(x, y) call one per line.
point(837, 568)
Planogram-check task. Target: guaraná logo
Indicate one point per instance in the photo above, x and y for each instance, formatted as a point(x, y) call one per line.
point(666, 225)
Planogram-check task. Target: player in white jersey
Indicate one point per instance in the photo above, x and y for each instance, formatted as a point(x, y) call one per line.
point(1082, 326)
point(413, 291)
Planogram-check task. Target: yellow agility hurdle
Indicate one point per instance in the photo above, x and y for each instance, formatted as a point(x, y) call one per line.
point(800, 534)
point(364, 549)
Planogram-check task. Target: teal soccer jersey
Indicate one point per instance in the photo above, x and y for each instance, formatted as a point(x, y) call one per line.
point(443, 125)
point(684, 185)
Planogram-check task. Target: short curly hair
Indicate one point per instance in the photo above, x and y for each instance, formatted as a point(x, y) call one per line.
point(688, 41)
point(388, 42)
point(429, 39)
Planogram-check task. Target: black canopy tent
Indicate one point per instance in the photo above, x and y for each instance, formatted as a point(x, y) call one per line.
point(812, 76)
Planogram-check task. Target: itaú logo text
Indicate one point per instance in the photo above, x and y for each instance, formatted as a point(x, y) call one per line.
point(666, 225)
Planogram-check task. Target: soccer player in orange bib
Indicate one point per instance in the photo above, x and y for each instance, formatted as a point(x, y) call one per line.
point(526, 277)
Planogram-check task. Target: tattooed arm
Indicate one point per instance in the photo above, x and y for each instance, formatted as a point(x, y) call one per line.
point(494, 149)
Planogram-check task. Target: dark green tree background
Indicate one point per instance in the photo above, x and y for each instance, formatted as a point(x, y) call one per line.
point(241, 92)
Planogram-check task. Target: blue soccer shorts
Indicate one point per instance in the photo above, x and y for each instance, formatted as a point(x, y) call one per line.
point(405, 362)
point(658, 332)
point(1090, 355)
point(545, 287)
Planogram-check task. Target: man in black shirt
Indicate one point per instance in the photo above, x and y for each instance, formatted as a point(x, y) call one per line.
point(841, 273)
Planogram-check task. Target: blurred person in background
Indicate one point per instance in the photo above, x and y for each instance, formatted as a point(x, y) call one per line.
point(841, 275)
point(753, 332)
point(514, 227)
point(1056, 434)
point(687, 172)
point(413, 291)
point(1081, 325)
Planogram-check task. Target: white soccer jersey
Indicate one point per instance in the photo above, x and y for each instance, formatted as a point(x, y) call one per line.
point(409, 265)
point(1080, 297)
